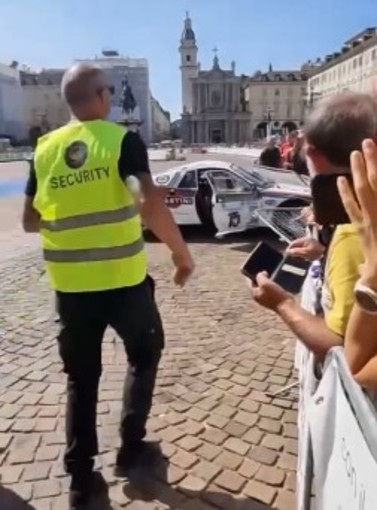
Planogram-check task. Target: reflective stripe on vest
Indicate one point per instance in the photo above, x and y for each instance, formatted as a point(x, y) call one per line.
point(90, 219)
point(95, 254)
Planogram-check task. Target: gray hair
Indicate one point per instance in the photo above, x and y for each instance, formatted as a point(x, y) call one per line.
point(338, 125)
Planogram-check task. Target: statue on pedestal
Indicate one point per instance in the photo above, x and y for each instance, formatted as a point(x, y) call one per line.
point(128, 104)
point(127, 99)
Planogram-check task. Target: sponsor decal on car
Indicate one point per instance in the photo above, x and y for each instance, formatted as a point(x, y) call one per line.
point(163, 179)
point(176, 199)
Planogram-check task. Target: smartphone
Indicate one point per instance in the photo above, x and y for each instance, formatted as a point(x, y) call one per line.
point(262, 258)
point(288, 272)
point(328, 207)
point(291, 274)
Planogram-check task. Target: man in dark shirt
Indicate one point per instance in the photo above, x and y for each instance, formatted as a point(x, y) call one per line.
point(270, 156)
point(85, 314)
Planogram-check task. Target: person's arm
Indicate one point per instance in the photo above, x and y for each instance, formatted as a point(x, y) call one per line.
point(361, 346)
point(30, 217)
point(154, 212)
point(310, 329)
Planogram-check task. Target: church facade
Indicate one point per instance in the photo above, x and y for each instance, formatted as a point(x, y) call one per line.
point(214, 102)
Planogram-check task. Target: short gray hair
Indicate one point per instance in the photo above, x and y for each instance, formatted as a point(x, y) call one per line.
point(338, 125)
point(80, 82)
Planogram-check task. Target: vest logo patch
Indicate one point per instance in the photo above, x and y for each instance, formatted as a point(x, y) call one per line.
point(76, 155)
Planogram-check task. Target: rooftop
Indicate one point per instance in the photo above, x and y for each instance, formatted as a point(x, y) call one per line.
point(279, 76)
point(357, 44)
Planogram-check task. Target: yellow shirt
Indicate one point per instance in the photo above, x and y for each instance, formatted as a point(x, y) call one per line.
point(341, 274)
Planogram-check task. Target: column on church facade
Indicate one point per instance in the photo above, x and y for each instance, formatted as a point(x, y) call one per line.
point(226, 131)
point(192, 132)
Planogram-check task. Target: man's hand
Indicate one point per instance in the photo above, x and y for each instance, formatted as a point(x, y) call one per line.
point(361, 205)
point(268, 294)
point(184, 267)
point(307, 215)
point(306, 248)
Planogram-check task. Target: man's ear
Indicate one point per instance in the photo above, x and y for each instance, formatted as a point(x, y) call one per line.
point(318, 160)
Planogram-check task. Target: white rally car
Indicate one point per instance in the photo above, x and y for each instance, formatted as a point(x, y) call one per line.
point(225, 196)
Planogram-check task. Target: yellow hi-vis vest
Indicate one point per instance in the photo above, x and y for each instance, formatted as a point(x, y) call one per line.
point(91, 230)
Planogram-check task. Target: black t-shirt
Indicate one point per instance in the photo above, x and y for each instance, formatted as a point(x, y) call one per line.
point(133, 160)
point(270, 157)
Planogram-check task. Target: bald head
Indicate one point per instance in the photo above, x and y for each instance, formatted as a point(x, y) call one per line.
point(338, 125)
point(81, 83)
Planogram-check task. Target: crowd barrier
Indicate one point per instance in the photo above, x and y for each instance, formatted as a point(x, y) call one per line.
point(9, 156)
point(337, 454)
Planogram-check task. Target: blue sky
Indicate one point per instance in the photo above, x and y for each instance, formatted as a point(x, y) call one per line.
point(252, 32)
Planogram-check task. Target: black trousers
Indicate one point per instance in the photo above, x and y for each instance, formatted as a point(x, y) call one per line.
point(133, 314)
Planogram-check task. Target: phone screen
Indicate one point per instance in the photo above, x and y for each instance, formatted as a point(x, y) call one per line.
point(262, 258)
point(328, 207)
point(291, 274)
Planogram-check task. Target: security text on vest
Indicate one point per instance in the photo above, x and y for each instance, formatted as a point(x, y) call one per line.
point(79, 177)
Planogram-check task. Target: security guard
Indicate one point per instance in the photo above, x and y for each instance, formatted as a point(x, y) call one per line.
point(91, 231)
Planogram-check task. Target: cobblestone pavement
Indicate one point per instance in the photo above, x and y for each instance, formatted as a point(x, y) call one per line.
point(229, 444)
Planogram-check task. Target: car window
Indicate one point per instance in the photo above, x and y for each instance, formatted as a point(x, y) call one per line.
point(189, 180)
point(226, 182)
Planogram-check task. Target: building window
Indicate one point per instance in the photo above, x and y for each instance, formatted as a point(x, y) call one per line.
point(290, 92)
point(374, 54)
point(188, 58)
point(277, 92)
point(264, 92)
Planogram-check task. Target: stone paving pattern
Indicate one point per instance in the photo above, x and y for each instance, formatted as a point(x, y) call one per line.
point(230, 446)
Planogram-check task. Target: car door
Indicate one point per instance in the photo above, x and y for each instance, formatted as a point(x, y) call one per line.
point(181, 199)
point(233, 201)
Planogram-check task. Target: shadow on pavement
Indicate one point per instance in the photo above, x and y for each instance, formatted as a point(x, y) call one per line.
point(151, 483)
point(9, 500)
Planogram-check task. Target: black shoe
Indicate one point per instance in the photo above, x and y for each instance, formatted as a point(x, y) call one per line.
point(79, 491)
point(84, 486)
point(131, 456)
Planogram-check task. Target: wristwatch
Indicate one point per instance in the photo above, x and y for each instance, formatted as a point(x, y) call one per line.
point(366, 298)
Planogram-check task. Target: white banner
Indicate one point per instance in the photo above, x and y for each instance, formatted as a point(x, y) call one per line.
point(305, 364)
point(351, 480)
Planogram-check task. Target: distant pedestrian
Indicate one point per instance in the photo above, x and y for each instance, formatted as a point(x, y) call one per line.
point(294, 158)
point(270, 156)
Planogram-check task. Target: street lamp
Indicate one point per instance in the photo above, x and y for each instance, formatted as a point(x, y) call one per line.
point(268, 118)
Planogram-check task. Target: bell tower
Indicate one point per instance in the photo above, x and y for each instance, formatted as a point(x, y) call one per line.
point(189, 64)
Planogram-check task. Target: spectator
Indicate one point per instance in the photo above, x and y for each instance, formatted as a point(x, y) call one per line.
point(361, 334)
point(334, 129)
point(270, 156)
point(294, 158)
point(288, 144)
